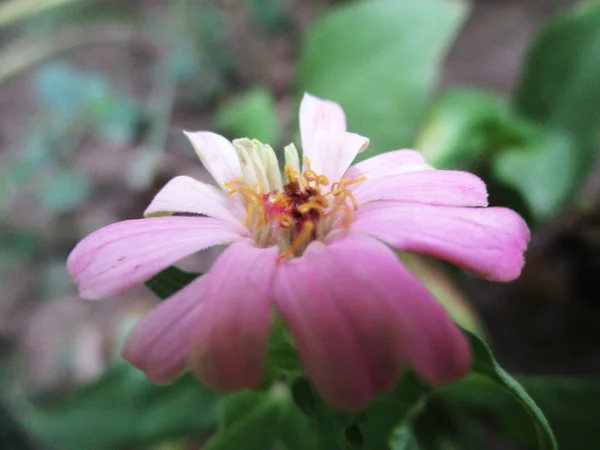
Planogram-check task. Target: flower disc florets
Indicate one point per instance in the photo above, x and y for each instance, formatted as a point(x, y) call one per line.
point(289, 215)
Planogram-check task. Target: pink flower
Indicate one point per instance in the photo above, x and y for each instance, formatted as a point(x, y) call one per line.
point(318, 248)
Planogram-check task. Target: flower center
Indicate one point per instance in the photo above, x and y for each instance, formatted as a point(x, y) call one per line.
point(306, 209)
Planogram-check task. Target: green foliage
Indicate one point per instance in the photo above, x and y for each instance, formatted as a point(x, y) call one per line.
point(123, 408)
point(380, 59)
point(392, 410)
point(486, 369)
point(64, 191)
point(570, 405)
point(172, 279)
point(252, 115)
point(560, 92)
point(543, 169)
point(461, 128)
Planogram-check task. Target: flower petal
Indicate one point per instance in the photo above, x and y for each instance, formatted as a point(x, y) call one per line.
point(159, 345)
point(389, 163)
point(119, 256)
point(217, 154)
point(186, 195)
point(347, 336)
point(488, 242)
point(430, 340)
point(435, 187)
point(229, 346)
point(319, 118)
point(335, 154)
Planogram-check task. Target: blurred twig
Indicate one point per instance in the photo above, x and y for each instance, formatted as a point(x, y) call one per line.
point(15, 10)
point(27, 52)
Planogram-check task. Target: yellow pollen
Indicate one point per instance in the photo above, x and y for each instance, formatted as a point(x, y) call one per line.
point(304, 210)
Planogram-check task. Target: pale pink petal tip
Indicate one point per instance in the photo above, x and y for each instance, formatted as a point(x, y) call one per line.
point(228, 349)
point(159, 344)
point(117, 257)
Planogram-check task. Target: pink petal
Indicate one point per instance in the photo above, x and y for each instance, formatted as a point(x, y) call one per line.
point(346, 332)
point(390, 163)
point(488, 242)
point(186, 195)
point(435, 187)
point(231, 335)
point(430, 340)
point(319, 118)
point(159, 344)
point(217, 154)
point(335, 154)
point(119, 256)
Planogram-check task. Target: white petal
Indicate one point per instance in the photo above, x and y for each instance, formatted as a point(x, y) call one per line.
point(217, 154)
point(186, 195)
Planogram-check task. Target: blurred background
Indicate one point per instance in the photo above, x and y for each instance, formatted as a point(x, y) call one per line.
point(94, 95)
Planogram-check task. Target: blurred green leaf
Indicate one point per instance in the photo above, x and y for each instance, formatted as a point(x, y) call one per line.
point(560, 84)
point(544, 170)
point(64, 191)
point(15, 10)
point(485, 368)
point(270, 14)
point(12, 434)
point(69, 92)
point(404, 439)
point(572, 407)
point(167, 282)
point(251, 420)
point(460, 128)
point(124, 408)
point(560, 91)
point(392, 410)
point(252, 115)
point(380, 60)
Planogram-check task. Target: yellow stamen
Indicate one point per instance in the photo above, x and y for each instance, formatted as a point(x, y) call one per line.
point(300, 240)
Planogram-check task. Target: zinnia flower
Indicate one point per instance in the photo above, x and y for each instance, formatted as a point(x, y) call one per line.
point(316, 245)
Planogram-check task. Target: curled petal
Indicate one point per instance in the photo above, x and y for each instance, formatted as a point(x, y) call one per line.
point(159, 344)
point(435, 187)
point(229, 344)
point(119, 256)
point(389, 163)
point(488, 242)
point(346, 331)
point(217, 154)
point(186, 195)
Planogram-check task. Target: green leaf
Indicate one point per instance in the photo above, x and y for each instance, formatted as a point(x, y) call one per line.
point(487, 369)
point(560, 84)
point(252, 115)
point(251, 420)
point(404, 439)
point(392, 410)
point(544, 170)
point(460, 127)
point(380, 60)
point(172, 279)
point(560, 91)
point(572, 407)
point(124, 408)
